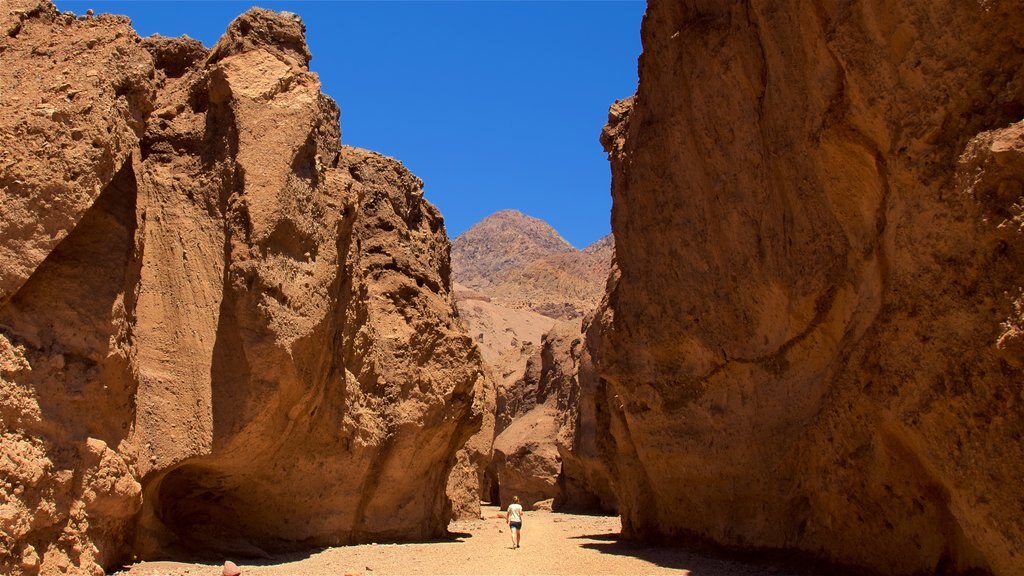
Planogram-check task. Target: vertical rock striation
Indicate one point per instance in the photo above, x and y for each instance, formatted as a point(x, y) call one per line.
point(812, 340)
point(220, 330)
point(585, 447)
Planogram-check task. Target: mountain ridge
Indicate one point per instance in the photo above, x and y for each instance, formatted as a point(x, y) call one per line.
point(522, 262)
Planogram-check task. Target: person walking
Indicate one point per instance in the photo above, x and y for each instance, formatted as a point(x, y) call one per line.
point(514, 515)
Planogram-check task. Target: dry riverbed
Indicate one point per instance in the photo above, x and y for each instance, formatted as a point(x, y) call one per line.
point(552, 544)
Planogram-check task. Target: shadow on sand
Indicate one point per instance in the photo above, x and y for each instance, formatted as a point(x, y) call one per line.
point(253, 556)
point(704, 558)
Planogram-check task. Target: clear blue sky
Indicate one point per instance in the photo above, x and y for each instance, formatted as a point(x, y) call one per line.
point(493, 104)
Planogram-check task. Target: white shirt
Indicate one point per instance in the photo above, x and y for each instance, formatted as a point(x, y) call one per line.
point(515, 513)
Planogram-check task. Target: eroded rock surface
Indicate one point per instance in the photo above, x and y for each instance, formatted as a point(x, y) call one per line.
point(812, 338)
point(205, 298)
point(507, 338)
point(520, 278)
point(586, 449)
point(534, 419)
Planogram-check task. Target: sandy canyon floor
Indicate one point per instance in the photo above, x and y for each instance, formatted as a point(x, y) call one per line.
point(552, 543)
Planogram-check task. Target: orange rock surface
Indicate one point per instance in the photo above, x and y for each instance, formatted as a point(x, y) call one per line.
point(812, 340)
point(220, 331)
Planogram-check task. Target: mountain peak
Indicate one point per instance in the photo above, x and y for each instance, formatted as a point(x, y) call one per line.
point(602, 245)
point(501, 241)
point(522, 262)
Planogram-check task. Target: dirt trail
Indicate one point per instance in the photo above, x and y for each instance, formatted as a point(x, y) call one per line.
point(552, 543)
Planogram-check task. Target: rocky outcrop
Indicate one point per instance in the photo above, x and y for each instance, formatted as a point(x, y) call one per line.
point(811, 341)
point(76, 93)
point(533, 419)
point(506, 338)
point(220, 331)
point(468, 482)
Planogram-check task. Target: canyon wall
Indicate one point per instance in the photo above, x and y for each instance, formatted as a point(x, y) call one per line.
point(520, 288)
point(531, 420)
point(506, 338)
point(585, 447)
point(220, 330)
point(813, 337)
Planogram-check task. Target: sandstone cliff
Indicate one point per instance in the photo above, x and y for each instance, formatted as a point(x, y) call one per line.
point(220, 331)
point(812, 340)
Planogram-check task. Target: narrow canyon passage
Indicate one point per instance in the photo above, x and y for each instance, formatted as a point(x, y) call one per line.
point(227, 335)
point(552, 543)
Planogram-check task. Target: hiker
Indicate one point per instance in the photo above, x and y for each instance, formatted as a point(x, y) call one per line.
point(514, 515)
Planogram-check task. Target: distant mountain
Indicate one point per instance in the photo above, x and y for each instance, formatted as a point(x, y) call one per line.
point(522, 262)
point(603, 247)
point(503, 240)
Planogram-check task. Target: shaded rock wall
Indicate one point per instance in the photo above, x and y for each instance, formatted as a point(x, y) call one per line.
point(507, 339)
point(586, 482)
point(811, 341)
point(220, 331)
point(536, 420)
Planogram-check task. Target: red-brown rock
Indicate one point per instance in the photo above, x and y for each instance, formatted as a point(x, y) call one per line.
point(220, 330)
point(522, 263)
point(812, 339)
point(535, 420)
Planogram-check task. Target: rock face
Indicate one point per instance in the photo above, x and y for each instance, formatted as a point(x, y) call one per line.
point(506, 338)
point(204, 298)
point(522, 263)
point(585, 447)
point(564, 287)
point(520, 276)
point(532, 417)
point(812, 340)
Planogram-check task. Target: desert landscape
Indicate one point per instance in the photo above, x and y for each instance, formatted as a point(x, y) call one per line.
point(227, 336)
point(557, 543)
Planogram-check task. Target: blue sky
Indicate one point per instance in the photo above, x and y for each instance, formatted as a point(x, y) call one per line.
point(493, 104)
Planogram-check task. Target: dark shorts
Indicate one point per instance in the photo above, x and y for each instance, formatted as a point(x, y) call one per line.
point(516, 525)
